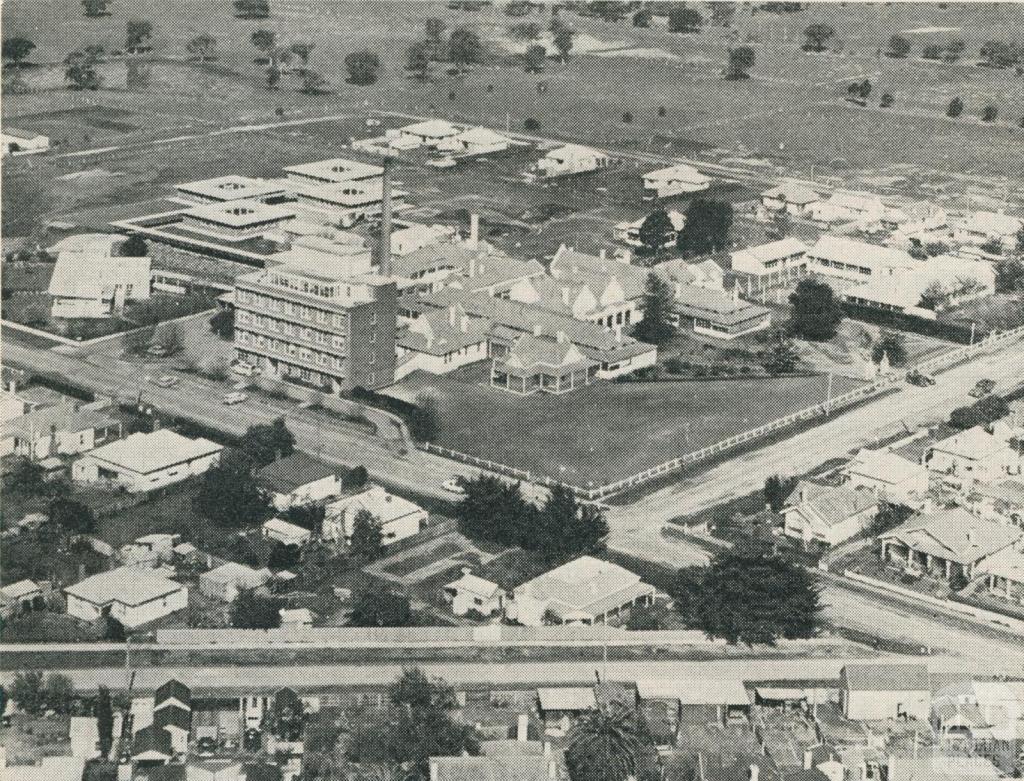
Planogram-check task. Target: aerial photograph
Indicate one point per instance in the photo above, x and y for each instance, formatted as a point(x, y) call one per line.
point(489, 390)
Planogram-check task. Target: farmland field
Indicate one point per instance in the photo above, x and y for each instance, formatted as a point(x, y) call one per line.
point(594, 434)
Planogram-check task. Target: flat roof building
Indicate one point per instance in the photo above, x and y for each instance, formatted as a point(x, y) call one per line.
point(232, 187)
point(142, 462)
point(235, 221)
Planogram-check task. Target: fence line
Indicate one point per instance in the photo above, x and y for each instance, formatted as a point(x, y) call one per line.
point(886, 382)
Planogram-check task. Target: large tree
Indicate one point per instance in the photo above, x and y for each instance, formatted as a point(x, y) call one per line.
point(264, 40)
point(417, 60)
point(781, 356)
point(899, 47)
point(424, 420)
point(80, 71)
point(817, 35)
point(565, 528)
point(380, 608)
point(203, 47)
point(610, 744)
point(17, 48)
point(137, 34)
point(72, 516)
point(223, 324)
point(367, 542)
point(563, 40)
point(228, 493)
point(59, 693)
point(981, 413)
point(683, 19)
point(251, 610)
point(655, 324)
point(494, 510)
point(362, 67)
point(751, 597)
point(741, 60)
point(264, 443)
point(105, 720)
point(707, 227)
point(816, 311)
point(534, 58)
point(464, 47)
point(893, 345)
point(95, 8)
point(655, 231)
point(28, 693)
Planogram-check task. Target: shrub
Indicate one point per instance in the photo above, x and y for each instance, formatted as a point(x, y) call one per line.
point(531, 124)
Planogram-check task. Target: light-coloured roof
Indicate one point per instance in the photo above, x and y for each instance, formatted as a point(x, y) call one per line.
point(701, 691)
point(475, 585)
point(471, 269)
point(230, 187)
point(382, 505)
point(240, 214)
point(284, 528)
point(482, 136)
point(569, 698)
point(516, 767)
point(435, 333)
point(783, 248)
point(148, 453)
point(92, 243)
point(65, 417)
point(574, 150)
point(956, 535)
point(580, 584)
point(95, 275)
point(872, 677)
point(20, 589)
point(681, 172)
point(882, 465)
point(791, 193)
point(993, 223)
point(974, 443)
point(905, 288)
point(49, 769)
point(336, 170)
point(1009, 491)
point(298, 615)
point(531, 351)
point(130, 586)
point(347, 194)
point(716, 305)
point(233, 573)
point(844, 250)
point(431, 128)
point(942, 767)
point(26, 135)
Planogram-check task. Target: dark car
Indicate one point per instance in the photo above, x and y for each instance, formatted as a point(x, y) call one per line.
point(983, 388)
point(919, 379)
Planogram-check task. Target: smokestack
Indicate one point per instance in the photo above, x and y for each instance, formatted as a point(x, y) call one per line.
point(474, 231)
point(384, 247)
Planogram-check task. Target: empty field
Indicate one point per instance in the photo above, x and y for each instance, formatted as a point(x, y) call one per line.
point(606, 431)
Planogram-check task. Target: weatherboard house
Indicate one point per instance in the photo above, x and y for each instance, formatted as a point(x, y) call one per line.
point(676, 180)
point(570, 159)
point(873, 692)
point(131, 595)
point(142, 462)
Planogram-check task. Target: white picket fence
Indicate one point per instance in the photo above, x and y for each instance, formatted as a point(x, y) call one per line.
point(880, 385)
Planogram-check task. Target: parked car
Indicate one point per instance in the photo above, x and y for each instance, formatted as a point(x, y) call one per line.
point(235, 398)
point(166, 381)
point(453, 485)
point(158, 351)
point(982, 388)
point(920, 380)
point(245, 369)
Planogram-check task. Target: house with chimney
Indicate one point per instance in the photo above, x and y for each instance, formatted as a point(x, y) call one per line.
point(828, 514)
point(62, 430)
point(981, 454)
point(537, 365)
point(399, 518)
point(473, 593)
point(948, 542)
point(681, 179)
point(440, 341)
point(474, 142)
point(569, 160)
point(887, 474)
point(790, 198)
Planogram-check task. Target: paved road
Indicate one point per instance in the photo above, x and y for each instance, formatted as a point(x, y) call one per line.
point(513, 675)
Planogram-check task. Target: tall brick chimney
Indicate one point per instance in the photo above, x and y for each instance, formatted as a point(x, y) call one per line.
point(384, 245)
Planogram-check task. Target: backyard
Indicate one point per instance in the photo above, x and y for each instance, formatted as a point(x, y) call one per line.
point(608, 430)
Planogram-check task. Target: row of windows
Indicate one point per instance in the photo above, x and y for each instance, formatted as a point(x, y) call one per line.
point(274, 304)
point(289, 328)
point(840, 266)
point(289, 348)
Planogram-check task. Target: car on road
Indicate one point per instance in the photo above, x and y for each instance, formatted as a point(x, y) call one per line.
point(920, 380)
point(158, 351)
point(166, 381)
point(244, 369)
point(982, 388)
point(235, 398)
point(453, 485)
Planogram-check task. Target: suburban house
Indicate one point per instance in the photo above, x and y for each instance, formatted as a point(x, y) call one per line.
point(399, 518)
point(226, 581)
point(717, 313)
point(23, 142)
point(981, 711)
point(1004, 575)
point(67, 429)
point(790, 198)
point(474, 142)
point(1002, 501)
point(298, 479)
point(856, 261)
point(568, 160)
point(132, 595)
point(775, 261)
point(537, 365)
point(887, 474)
point(982, 227)
point(469, 265)
point(846, 206)
point(286, 533)
point(559, 706)
point(873, 692)
point(938, 284)
point(20, 597)
point(97, 284)
point(236, 221)
point(629, 232)
point(828, 514)
point(978, 454)
point(149, 550)
point(142, 462)
point(296, 618)
point(583, 591)
point(471, 592)
point(675, 180)
point(947, 542)
point(710, 700)
point(440, 341)
point(706, 274)
point(232, 187)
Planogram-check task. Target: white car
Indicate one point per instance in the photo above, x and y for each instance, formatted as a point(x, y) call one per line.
point(245, 369)
point(235, 398)
point(167, 381)
point(454, 486)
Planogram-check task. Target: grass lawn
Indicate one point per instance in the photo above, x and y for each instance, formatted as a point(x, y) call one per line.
point(410, 564)
point(999, 312)
point(606, 431)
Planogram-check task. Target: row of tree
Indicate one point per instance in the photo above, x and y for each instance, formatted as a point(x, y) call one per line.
point(494, 510)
